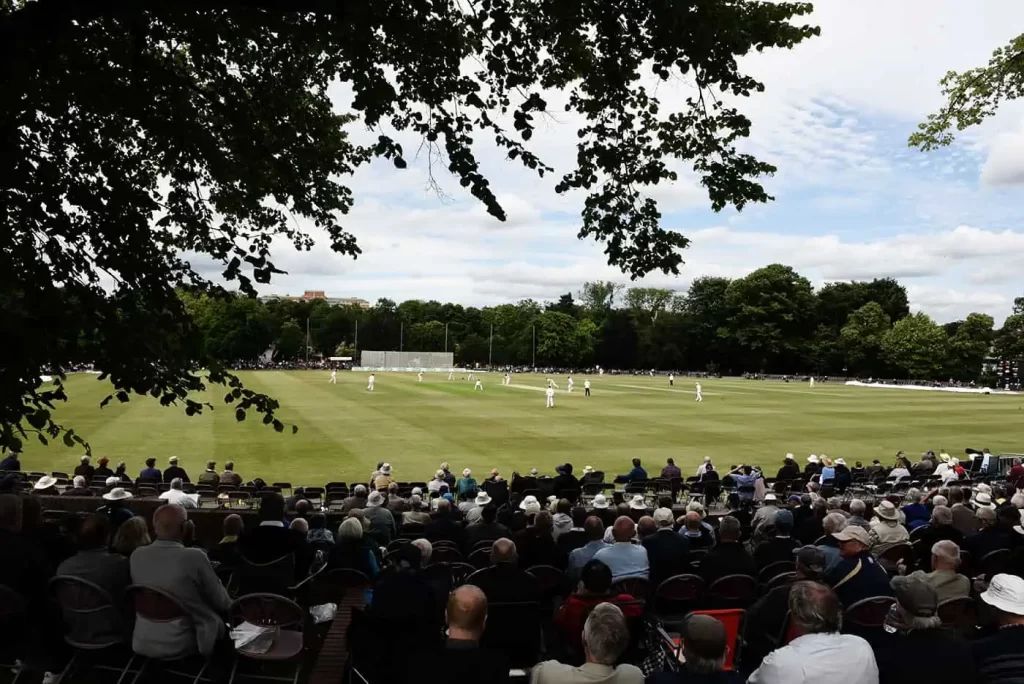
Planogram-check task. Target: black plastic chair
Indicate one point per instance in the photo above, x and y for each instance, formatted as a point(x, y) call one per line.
point(993, 563)
point(550, 579)
point(637, 587)
point(960, 615)
point(92, 623)
point(676, 597)
point(732, 591)
point(156, 605)
point(768, 572)
point(869, 613)
point(274, 577)
point(285, 617)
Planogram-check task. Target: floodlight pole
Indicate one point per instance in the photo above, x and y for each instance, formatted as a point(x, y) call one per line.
point(446, 337)
point(490, 346)
point(535, 345)
point(401, 335)
point(356, 345)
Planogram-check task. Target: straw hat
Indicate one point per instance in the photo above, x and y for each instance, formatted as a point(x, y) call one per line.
point(886, 510)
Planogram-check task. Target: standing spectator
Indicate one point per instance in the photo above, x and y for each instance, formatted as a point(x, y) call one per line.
point(187, 575)
point(131, 535)
point(1000, 657)
point(623, 557)
point(102, 470)
point(175, 495)
point(565, 481)
point(634, 475)
point(780, 547)
point(944, 578)
point(174, 471)
point(466, 485)
point(595, 587)
point(858, 575)
point(210, 476)
point(705, 644)
point(78, 487)
point(886, 531)
point(229, 477)
point(729, 556)
point(671, 470)
point(349, 551)
point(913, 633)
point(150, 472)
point(85, 470)
point(382, 481)
point(605, 638)
point(820, 655)
point(382, 523)
point(464, 659)
point(667, 552)
point(594, 529)
point(11, 462)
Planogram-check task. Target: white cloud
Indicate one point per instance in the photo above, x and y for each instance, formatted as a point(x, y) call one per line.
point(1005, 163)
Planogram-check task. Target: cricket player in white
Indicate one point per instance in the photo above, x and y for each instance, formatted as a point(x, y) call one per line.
point(671, 379)
point(478, 386)
point(550, 392)
point(334, 376)
point(586, 388)
point(812, 383)
point(450, 372)
point(508, 379)
point(369, 386)
point(419, 377)
point(471, 377)
point(570, 383)
point(700, 397)
point(551, 383)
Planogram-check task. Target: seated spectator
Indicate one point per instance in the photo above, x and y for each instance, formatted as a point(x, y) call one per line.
point(464, 660)
point(115, 506)
point(382, 481)
point(767, 617)
point(696, 534)
point(93, 562)
point(466, 485)
point(670, 470)
point(382, 524)
point(944, 578)
point(150, 472)
point(916, 513)
point(303, 508)
point(229, 478)
point(575, 537)
point(300, 525)
point(504, 581)
point(403, 592)
point(593, 527)
point(766, 513)
point(79, 487)
point(131, 535)
point(271, 540)
point(705, 644)
point(820, 655)
point(595, 586)
point(802, 511)
point(417, 514)
point(857, 510)
point(562, 519)
point(349, 551)
point(487, 530)
point(435, 484)
point(886, 531)
point(605, 638)
point(122, 474)
point(565, 481)
point(444, 527)
point(1000, 657)
point(780, 547)
point(494, 476)
point(85, 469)
point(11, 462)
point(44, 536)
point(668, 553)
point(318, 532)
point(813, 527)
point(187, 575)
point(45, 486)
point(729, 557)
point(940, 529)
point(537, 545)
point(995, 533)
point(963, 518)
point(913, 634)
point(227, 552)
point(175, 495)
point(634, 475)
point(395, 503)
point(23, 565)
point(173, 471)
point(298, 495)
point(834, 522)
point(623, 557)
point(476, 507)
point(858, 575)
point(210, 476)
point(740, 509)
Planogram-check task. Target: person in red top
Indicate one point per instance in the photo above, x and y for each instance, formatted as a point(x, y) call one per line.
point(1016, 475)
point(595, 587)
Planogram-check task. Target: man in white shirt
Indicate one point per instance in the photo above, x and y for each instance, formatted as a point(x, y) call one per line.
point(700, 397)
point(369, 386)
point(550, 393)
point(334, 376)
point(821, 655)
point(586, 388)
point(419, 377)
point(174, 495)
point(569, 383)
point(671, 379)
point(478, 386)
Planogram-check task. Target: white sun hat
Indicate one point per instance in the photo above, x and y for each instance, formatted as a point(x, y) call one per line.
point(1005, 592)
point(840, 461)
point(530, 505)
point(789, 457)
point(483, 498)
point(812, 459)
point(117, 494)
point(983, 500)
point(588, 469)
point(600, 501)
point(637, 503)
point(45, 482)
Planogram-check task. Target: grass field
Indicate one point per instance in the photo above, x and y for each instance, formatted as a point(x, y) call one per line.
point(344, 430)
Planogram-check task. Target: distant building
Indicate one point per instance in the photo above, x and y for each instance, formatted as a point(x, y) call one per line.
point(310, 295)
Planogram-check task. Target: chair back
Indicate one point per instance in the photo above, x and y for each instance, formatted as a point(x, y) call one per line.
point(274, 577)
point(894, 555)
point(155, 605)
point(637, 587)
point(90, 617)
point(446, 554)
point(733, 591)
point(397, 544)
point(916, 533)
point(769, 572)
point(960, 614)
point(732, 620)
point(677, 596)
point(550, 579)
point(868, 613)
point(994, 562)
point(480, 558)
point(266, 610)
point(781, 580)
point(515, 629)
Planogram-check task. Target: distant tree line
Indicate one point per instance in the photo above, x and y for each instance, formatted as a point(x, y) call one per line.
point(770, 321)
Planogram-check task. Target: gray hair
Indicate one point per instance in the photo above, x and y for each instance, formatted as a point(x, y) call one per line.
point(359, 490)
point(425, 550)
point(350, 528)
point(79, 481)
point(947, 551)
point(819, 505)
point(176, 483)
point(729, 528)
point(858, 507)
point(914, 622)
point(815, 608)
point(299, 525)
point(605, 634)
point(940, 500)
point(987, 515)
point(833, 522)
point(941, 515)
point(416, 501)
point(914, 494)
point(835, 503)
point(130, 535)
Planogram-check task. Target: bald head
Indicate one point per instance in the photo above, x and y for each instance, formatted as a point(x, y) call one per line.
point(646, 526)
point(169, 522)
point(623, 529)
point(300, 525)
point(467, 613)
point(594, 528)
point(503, 551)
point(693, 521)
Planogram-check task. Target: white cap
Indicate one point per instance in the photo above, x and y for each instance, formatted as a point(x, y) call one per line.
point(812, 459)
point(1005, 592)
point(588, 469)
point(707, 459)
point(770, 496)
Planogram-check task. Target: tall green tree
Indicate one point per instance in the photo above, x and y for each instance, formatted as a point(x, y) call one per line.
point(861, 339)
point(649, 302)
point(917, 346)
point(969, 346)
point(290, 343)
point(705, 313)
point(139, 141)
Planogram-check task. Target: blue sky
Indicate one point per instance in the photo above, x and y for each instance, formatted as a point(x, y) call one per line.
point(852, 200)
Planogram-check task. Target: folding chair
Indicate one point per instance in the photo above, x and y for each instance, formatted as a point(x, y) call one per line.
point(769, 572)
point(677, 596)
point(287, 619)
point(13, 609)
point(960, 615)
point(637, 587)
point(84, 607)
point(869, 613)
point(158, 606)
point(732, 591)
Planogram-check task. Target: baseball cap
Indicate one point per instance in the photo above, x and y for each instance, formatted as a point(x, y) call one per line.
point(783, 517)
point(915, 596)
point(853, 533)
point(810, 557)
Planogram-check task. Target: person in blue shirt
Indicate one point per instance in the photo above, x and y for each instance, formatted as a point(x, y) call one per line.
point(828, 471)
point(11, 464)
point(624, 558)
point(743, 477)
point(637, 473)
point(150, 472)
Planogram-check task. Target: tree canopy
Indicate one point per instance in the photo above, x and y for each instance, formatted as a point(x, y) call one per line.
point(142, 139)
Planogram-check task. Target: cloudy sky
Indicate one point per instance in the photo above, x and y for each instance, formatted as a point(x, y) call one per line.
point(852, 200)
